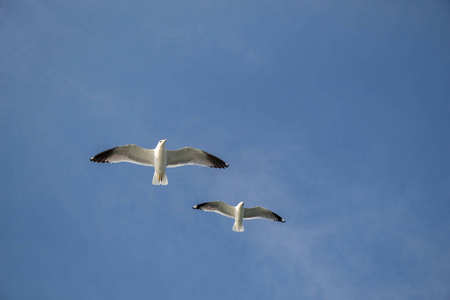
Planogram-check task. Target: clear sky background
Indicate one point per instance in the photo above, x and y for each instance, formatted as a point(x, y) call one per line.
point(333, 114)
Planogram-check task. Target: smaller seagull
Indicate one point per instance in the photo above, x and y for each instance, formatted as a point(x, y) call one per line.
point(239, 213)
point(159, 158)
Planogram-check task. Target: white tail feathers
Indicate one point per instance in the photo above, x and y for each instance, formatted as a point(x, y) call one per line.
point(160, 179)
point(238, 228)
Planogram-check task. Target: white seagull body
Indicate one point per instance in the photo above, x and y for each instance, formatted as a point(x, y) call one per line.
point(239, 213)
point(159, 158)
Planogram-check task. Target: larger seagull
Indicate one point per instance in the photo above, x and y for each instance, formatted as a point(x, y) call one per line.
point(239, 212)
point(159, 158)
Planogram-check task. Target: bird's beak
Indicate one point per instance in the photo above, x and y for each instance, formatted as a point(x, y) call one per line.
point(164, 140)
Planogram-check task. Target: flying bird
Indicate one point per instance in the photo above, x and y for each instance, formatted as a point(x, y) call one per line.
point(239, 213)
point(159, 158)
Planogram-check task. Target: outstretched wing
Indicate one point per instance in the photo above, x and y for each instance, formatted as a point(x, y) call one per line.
point(192, 156)
point(128, 153)
point(217, 207)
point(261, 212)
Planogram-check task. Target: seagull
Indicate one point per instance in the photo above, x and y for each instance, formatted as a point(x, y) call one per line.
point(239, 213)
point(159, 158)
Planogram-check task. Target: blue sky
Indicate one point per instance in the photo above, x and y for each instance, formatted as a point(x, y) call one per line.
point(333, 114)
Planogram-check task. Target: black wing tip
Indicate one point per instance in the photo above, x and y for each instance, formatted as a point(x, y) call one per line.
point(102, 157)
point(94, 159)
point(199, 206)
point(279, 219)
point(224, 166)
point(100, 162)
point(99, 159)
point(216, 162)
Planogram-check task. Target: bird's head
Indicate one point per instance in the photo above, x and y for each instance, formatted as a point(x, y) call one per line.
point(240, 204)
point(161, 144)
